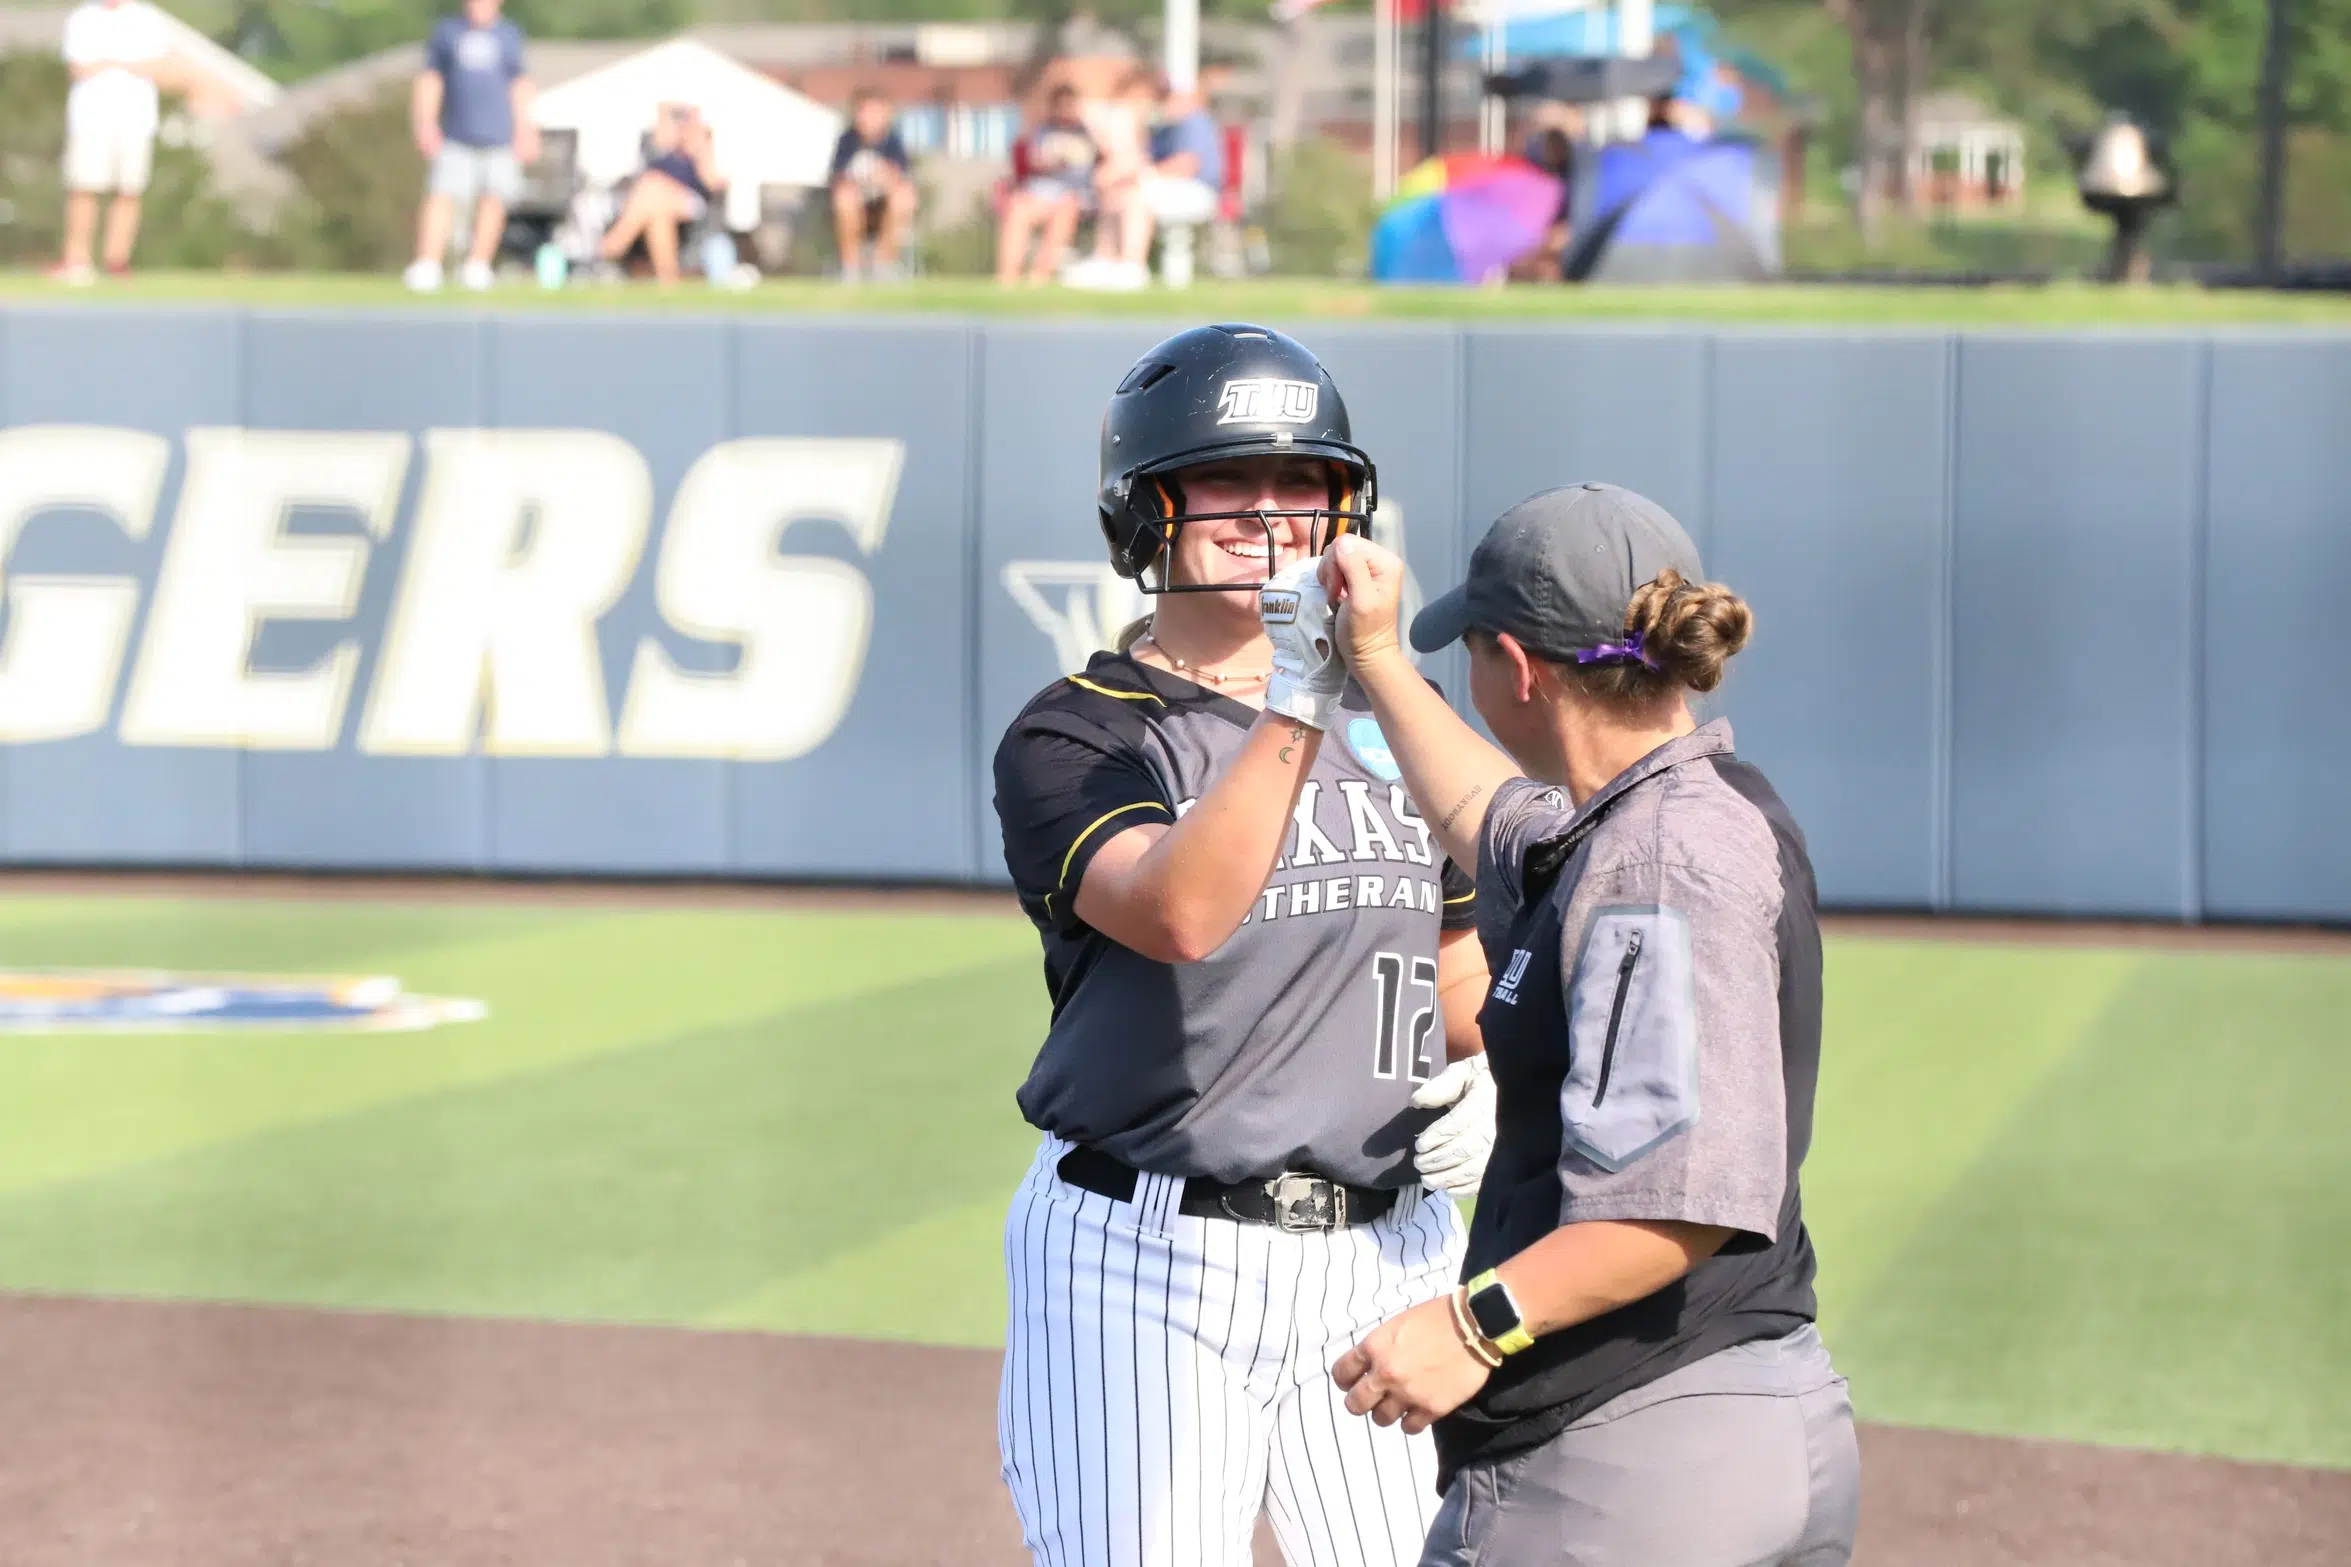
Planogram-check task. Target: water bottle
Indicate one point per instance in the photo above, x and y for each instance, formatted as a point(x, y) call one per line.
point(553, 265)
point(718, 256)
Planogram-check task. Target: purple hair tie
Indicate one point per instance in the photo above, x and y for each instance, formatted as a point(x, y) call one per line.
point(1626, 652)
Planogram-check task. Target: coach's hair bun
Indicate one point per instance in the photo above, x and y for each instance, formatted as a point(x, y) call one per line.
point(1689, 630)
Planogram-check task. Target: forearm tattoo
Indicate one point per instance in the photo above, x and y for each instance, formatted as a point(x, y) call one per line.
point(1297, 738)
point(1460, 805)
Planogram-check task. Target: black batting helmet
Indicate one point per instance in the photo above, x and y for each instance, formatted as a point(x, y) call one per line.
point(1206, 395)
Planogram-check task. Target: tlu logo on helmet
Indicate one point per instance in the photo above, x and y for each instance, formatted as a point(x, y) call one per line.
point(1268, 401)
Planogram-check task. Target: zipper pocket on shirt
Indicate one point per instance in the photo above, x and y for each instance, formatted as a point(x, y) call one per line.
point(1624, 983)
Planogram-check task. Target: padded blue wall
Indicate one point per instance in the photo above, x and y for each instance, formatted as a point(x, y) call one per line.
point(2044, 621)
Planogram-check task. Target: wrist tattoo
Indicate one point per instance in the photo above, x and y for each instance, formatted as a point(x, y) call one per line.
point(1461, 805)
point(1297, 738)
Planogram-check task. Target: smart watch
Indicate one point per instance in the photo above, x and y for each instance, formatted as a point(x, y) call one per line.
point(1495, 1312)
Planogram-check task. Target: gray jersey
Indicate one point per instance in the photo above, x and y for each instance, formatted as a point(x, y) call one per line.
point(1297, 1044)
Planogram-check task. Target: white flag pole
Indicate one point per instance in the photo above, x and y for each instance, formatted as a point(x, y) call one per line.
point(1383, 99)
point(1181, 44)
point(1493, 121)
point(1636, 39)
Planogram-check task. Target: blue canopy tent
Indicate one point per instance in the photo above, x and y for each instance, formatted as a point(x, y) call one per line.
point(1595, 34)
point(1667, 209)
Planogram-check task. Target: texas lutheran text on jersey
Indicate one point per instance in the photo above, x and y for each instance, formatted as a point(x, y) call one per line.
point(1324, 1001)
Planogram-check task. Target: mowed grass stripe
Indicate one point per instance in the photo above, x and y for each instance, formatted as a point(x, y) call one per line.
point(2070, 1192)
point(2156, 1250)
point(658, 1184)
point(560, 986)
point(1927, 1050)
point(937, 1279)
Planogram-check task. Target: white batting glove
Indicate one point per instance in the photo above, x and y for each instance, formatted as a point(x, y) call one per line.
point(1308, 672)
point(1451, 1152)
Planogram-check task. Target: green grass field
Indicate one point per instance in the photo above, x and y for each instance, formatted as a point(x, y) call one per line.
point(2057, 305)
point(2068, 1192)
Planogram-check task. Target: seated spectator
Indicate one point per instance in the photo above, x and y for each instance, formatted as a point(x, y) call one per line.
point(1676, 118)
point(1552, 150)
point(672, 194)
point(1041, 214)
point(873, 188)
point(1121, 125)
point(1182, 182)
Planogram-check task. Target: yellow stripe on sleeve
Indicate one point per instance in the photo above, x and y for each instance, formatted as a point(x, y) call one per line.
point(1123, 696)
point(1095, 826)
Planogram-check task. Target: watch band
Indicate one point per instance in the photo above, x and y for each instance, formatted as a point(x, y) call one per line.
point(1480, 1350)
point(1488, 1299)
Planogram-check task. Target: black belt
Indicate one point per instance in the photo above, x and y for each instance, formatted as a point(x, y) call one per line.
point(1290, 1201)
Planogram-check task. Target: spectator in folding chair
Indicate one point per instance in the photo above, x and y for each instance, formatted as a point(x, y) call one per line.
point(873, 189)
point(1551, 148)
point(1121, 127)
point(1041, 213)
point(1179, 187)
point(674, 192)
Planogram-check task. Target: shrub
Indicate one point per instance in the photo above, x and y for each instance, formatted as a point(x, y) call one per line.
point(1319, 214)
point(185, 221)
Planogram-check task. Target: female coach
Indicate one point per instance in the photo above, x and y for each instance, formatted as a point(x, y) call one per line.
point(1258, 967)
point(1631, 1374)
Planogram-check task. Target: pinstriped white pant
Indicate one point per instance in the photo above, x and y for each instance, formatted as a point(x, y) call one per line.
point(1165, 1377)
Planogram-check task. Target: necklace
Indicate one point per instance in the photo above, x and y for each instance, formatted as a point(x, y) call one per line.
point(1216, 678)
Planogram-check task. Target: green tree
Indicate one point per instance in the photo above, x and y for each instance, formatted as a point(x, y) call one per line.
point(2188, 69)
point(185, 221)
point(359, 181)
point(1319, 216)
point(292, 39)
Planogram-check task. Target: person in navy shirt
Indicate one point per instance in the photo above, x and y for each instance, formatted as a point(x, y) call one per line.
point(873, 188)
point(1041, 213)
point(471, 115)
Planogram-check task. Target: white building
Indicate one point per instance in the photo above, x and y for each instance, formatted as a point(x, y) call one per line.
point(763, 133)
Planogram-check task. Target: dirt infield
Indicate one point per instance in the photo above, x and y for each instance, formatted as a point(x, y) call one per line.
point(561, 892)
point(202, 1436)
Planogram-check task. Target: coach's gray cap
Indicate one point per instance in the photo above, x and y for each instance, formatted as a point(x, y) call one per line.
point(1557, 570)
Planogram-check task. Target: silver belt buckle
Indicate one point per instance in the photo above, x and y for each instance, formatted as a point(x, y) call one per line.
point(1307, 1204)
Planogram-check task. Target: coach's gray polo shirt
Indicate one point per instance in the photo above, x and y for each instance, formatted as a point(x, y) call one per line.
point(1654, 1032)
point(1297, 1044)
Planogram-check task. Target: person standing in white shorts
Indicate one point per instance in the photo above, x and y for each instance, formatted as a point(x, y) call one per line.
point(471, 113)
point(116, 50)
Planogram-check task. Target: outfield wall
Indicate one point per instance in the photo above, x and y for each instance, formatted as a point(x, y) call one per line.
point(2046, 622)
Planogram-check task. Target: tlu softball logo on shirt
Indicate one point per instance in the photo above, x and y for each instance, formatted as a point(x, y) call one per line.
point(1507, 988)
point(1267, 401)
point(1371, 749)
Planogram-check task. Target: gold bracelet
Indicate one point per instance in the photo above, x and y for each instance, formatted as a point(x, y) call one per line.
point(1472, 1340)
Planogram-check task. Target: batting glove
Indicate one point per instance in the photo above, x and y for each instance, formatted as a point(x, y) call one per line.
point(1451, 1152)
point(1308, 672)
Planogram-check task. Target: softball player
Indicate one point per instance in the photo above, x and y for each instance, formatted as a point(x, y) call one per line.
point(1259, 965)
point(1631, 1373)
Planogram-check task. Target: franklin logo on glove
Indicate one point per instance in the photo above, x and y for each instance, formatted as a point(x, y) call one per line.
point(1308, 673)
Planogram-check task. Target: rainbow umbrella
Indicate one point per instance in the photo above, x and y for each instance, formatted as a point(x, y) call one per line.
point(1463, 219)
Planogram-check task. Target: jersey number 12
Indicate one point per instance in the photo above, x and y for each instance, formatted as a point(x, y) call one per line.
point(1387, 972)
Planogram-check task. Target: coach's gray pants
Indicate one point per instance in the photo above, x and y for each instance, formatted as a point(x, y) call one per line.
point(1743, 1459)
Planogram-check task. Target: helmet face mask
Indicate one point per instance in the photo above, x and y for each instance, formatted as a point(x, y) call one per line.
point(1208, 397)
point(1311, 530)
